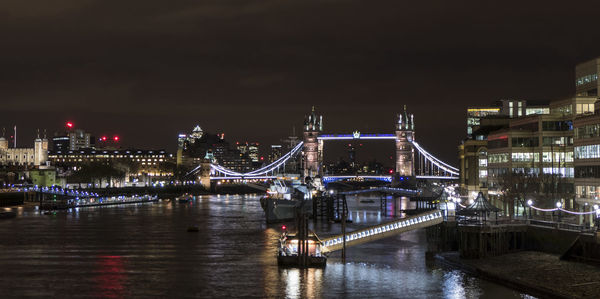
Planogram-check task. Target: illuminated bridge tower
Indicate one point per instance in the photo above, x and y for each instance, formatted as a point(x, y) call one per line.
point(313, 124)
point(405, 155)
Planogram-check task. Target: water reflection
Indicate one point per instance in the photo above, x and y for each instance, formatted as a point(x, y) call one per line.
point(110, 278)
point(145, 250)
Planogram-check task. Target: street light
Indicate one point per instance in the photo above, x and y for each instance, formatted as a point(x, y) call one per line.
point(597, 219)
point(559, 205)
point(530, 203)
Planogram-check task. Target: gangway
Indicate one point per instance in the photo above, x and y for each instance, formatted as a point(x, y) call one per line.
point(381, 231)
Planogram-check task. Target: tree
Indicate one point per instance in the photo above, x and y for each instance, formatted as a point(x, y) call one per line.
point(516, 187)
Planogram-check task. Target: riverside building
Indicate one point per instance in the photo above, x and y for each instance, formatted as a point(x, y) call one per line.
point(538, 144)
point(587, 161)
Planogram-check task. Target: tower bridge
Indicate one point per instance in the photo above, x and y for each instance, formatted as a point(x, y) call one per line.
point(412, 160)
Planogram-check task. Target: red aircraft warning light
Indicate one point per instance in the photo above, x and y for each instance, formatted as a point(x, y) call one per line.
point(103, 138)
point(69, 125)
point(116, 138)
point(283, 227)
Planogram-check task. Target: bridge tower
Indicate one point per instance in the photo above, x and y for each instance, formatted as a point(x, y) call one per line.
point(203, 176)
point(405, 155)
point(313, 148)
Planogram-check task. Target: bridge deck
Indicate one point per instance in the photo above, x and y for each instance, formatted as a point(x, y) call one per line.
point(383, 230)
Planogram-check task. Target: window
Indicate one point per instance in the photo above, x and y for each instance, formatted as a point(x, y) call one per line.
point(525, 142)
point(498, 158)
point(587, 171)
point(588, 131)
point(587, 151)
point(558, 157)
point(584, 108)
point(525, 157)
point(551, 141)
point(530, 111)
point(586, 79)
point(498, 143)
point(482, 162)
point(557, 125)
point(562, 171)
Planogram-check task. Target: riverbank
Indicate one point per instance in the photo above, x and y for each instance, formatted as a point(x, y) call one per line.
point(537, 273)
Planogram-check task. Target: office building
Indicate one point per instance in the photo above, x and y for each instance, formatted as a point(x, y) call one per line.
point(587, 161)
point(586, 78)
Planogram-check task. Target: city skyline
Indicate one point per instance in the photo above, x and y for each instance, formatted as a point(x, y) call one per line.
point(149, 73)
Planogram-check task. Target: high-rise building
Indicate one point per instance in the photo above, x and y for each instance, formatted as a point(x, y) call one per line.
point(586, 78)
point(72, 140)
point(276, 152)
point(79, 139)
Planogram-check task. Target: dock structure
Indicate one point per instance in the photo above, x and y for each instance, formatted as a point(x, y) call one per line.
point(380, 231)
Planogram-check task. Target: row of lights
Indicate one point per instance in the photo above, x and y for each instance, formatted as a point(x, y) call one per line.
point(559, 207)
point(384, 228)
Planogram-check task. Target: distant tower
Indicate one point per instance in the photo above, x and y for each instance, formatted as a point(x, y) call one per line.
point(405, 133)
point(40, 150)
point(313, 125)
point(3, 141)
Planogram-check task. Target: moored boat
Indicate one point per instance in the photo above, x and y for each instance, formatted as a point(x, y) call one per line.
point(287, 254)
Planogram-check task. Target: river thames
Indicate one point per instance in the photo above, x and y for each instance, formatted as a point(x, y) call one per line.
point(144, 250)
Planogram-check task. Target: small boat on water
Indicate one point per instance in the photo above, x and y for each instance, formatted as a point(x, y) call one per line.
point(287, 254)
point(185, 198)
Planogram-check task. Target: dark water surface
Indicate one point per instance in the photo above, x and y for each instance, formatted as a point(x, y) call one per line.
point(144, 250)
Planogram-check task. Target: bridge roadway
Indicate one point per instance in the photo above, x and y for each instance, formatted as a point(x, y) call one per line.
point(333, 178)
point(380, 231)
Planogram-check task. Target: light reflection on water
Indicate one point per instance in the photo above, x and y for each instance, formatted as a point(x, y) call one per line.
point(144, 250)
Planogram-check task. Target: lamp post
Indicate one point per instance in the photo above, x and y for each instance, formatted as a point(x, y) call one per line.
point(597, 218)
point(559, 206)
point(529, 203)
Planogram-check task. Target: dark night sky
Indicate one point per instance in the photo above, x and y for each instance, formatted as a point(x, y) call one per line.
point(151, 69)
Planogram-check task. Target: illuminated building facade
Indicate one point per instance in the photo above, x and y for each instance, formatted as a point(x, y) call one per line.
point(586, 78)
point(587, 160)
point(276, 152)
point(250, 149)
point(537, 144)
point(500, 109)
point(147, 162)
point(36, 156)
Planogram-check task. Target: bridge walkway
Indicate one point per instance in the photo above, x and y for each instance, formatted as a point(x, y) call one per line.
point(383, 230)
